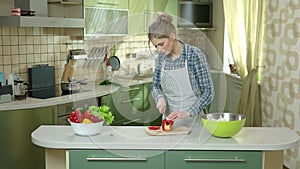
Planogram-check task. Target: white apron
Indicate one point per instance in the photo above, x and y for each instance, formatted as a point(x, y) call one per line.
point(177, 88)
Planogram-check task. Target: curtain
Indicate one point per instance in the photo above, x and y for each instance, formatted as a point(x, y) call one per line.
point(249, 102)
point(244, 23)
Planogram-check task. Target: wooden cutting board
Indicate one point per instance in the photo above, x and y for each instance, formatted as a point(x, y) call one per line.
point(68, 72)
point(176, 130)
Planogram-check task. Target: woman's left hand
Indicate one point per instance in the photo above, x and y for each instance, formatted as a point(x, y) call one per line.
point(178, 115)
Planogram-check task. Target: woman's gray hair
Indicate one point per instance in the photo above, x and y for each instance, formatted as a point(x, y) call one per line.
point(161, 27)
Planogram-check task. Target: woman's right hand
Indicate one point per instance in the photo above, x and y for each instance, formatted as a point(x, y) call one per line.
point(161, 105)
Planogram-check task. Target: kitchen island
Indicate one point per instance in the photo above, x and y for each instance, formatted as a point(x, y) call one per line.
point(117, 146)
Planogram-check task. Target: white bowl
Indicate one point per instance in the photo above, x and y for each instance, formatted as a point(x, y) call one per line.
point(86, 129)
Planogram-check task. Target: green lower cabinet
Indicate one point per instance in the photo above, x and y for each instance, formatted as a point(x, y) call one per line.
point(126, 105)
point(116, 159)
point(214, 159)
point(132, 106)
point(16, 148)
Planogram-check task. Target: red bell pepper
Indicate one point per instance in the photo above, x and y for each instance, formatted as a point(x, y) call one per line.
point(154, 127)
point(167, 125)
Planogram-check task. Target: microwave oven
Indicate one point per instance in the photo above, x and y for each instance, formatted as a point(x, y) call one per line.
point(195, 14)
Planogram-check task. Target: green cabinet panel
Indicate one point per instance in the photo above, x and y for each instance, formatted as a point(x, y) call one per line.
point(159, 159)
point(214, 159)
point(133, 106)
point(151, 117)
point(142, 12)
point(126, 105)
point(116, 159)
point(17, 150)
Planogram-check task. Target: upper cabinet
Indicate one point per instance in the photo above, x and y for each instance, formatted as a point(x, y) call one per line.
point(105, 17)
point(65, 8)
point(142, 12)
point(116, 4)
point(56, 13)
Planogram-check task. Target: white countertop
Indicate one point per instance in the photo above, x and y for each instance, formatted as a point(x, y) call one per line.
point(134, 137)
point(95, 90)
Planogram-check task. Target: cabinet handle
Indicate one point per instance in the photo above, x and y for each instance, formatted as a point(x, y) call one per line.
point(146, 19)
point(64, 2)
point(54, 115)
point(131, 89)
point(107, 3)
point(215, 160)
point(127, 101)
point(115, 159)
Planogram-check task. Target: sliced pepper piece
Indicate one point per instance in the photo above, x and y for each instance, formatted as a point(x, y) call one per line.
point(154, 127)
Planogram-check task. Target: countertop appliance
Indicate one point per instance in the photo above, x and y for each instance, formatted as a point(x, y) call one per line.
point(195, 14)
point(42, 81)
point(6, 93)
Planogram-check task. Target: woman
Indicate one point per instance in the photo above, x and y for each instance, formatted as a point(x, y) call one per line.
point(182, 86)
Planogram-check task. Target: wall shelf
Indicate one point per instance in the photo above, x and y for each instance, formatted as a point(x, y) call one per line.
point(35, 21)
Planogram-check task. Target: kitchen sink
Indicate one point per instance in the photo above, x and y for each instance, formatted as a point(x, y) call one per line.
point(141, 76)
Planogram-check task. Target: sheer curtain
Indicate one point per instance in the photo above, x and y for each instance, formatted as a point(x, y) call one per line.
point(244, 23)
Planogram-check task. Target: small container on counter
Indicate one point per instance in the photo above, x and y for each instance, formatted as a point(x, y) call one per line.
point(6, 93)
point(27, 13)
point(108, 72)
point(2, 77)
point(16, 11)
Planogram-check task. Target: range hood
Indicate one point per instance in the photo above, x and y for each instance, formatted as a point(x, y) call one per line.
point(39, 21)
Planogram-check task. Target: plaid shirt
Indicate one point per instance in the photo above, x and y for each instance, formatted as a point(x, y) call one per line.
point(200, 78)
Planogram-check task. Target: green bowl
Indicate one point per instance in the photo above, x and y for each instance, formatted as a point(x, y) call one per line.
point(223, 124)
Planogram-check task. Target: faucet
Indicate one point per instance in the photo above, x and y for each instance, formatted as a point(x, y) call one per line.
point(139, 69)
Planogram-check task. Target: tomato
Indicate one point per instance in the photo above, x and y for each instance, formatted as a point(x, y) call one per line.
point(167, 125)
point(87, 114)
point(94, 119)
point(73, 117)
point(154, 127)
point(79, 115)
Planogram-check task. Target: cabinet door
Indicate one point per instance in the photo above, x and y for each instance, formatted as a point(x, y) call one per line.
point(214, 159)
point(136, 18)
point(151, 117)
point(104, 21)
point(65, 9)
point(142, 12)
point(126, 105)
point(116, 159)
point(17, 150)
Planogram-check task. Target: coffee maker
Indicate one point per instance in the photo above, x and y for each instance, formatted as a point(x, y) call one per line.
point(20, 88)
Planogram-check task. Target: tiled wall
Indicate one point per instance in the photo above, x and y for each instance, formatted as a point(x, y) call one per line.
point(22, 48)
point(25, 47)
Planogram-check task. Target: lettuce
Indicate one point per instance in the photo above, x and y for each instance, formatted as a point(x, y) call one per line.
point(102, 112)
